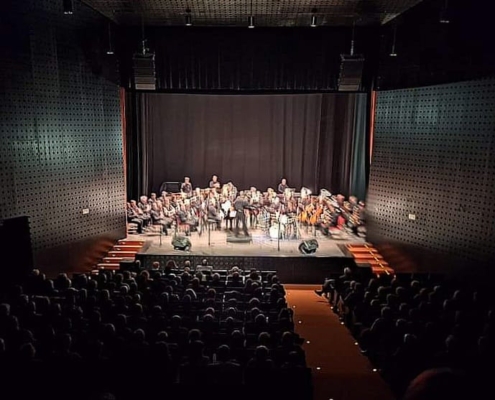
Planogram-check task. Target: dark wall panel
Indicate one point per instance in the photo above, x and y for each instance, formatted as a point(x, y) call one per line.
point(60, 130)
point(434, 158)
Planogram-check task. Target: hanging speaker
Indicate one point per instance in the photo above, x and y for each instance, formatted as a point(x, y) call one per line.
point(143, 71)
point(308, 246)
point(351, 72)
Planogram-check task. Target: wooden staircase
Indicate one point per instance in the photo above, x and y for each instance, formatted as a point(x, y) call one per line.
point(124, 249)
point(366, 255)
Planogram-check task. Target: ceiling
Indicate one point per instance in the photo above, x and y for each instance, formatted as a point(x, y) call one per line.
point(271, 13)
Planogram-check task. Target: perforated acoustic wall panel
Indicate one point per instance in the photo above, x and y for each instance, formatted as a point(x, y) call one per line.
point(432, 187)
point(61, 132)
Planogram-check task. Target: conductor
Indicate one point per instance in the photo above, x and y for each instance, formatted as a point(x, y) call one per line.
point(240, 204)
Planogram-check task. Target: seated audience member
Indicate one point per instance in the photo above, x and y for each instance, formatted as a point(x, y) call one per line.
point(261, 359)
point(442, 383)
point(224, 370)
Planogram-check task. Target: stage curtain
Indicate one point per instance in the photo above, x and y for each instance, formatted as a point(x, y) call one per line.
point(252, 140)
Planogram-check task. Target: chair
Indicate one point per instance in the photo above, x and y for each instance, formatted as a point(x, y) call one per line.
point(182, 226)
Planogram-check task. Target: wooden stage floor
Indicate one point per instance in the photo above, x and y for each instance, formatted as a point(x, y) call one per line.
point(262, 253)
point(261, 245)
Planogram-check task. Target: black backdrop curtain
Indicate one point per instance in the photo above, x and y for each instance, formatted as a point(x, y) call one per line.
point(314, 140)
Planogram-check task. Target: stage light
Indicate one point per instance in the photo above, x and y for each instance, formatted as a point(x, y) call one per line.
point(251, 22)
point(444, 15)
point(313, 21)
point(68, 7)
point(392, 51)
point(188, 17)
point(110, 46)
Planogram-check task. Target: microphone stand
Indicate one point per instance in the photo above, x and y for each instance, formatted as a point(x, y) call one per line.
point(278, 234)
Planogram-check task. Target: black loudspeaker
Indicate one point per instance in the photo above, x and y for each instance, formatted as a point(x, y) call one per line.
point(16, 249)
point(143, 68)
point(181, 243)
point(351, 72)
point(308, 246)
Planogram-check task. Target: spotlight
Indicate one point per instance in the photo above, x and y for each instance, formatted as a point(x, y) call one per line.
point(110, 46)
point(444, 14)
point(444, 19)
point(392, 51)
point(313, 21)
point(188, 17)
point(68, 7)
point(251, 22)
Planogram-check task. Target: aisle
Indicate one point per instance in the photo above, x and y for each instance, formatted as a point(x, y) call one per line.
point(340, 372)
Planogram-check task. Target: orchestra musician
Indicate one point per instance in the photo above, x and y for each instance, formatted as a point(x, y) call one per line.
point(249, 209)
point(228, 212)
point(213, 214)
point(214, 183)
point(282, 186)
point(186, 187)
point(158, 217)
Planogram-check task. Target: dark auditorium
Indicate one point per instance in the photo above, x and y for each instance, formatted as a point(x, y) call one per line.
point(247, 199)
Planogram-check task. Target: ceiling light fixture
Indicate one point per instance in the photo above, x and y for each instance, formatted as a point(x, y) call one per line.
point(188, 17)
point(251, 17)
point(251, 22)
point(444, 13)
point(314, 19)
point(392, 51)
point(110, 47)
point(68, 7)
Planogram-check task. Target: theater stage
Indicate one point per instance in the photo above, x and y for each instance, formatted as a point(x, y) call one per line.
point(263, 253)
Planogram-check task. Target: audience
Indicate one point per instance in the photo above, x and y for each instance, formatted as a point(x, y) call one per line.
point(406, 326)
point(158, 325)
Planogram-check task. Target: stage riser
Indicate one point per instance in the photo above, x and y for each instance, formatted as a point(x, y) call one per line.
point(302, 270)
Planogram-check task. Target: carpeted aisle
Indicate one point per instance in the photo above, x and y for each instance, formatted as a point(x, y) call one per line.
point(340, 372)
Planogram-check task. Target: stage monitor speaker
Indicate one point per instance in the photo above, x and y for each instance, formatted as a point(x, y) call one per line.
point(351, 72)
point(181, 243)
point(308, 246)
point(143, 68)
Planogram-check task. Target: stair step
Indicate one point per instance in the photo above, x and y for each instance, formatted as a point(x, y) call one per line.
point(130, 242)
point(127, 247)
point(108, 266)
point(112, 260)
point(364, 256)
point(378, 270)
point(121, 254)
point(353, 249)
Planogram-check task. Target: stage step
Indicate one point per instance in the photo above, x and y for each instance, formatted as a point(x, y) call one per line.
point(367, 256)
point(112, 260)
point(379, 270)
point(130, 242)
point(127, 247)
point(361, 250)
point(108, 266)
point(113, 253)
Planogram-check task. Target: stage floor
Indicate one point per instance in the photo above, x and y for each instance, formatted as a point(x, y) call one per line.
point(260, 246)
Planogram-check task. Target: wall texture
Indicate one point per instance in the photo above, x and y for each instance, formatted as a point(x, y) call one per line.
point(60, 131)
point(434, 158)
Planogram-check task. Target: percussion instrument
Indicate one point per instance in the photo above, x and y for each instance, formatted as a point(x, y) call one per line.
point(276, 231)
